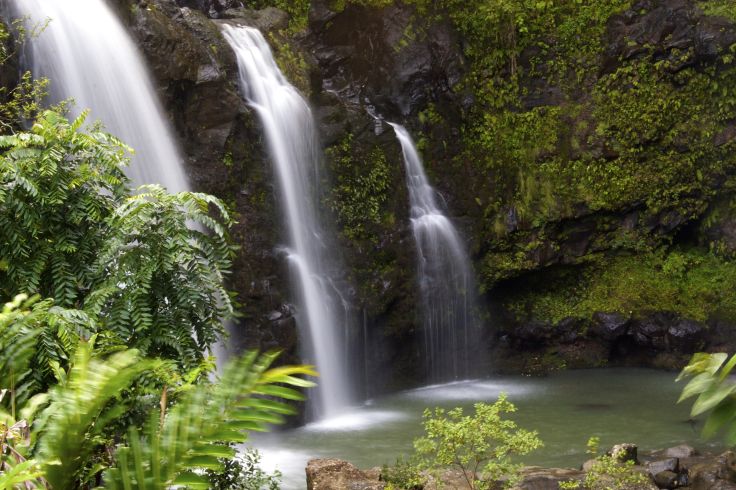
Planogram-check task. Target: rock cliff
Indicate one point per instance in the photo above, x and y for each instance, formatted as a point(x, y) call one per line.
point(586, 153)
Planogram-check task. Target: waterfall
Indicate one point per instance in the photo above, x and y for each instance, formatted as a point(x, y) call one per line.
point(450, 323)
point(292, 142)
point(87, 54)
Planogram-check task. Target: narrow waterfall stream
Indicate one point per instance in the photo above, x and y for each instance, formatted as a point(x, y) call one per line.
point(87, 54)
point(446, 282)
point(293, 145)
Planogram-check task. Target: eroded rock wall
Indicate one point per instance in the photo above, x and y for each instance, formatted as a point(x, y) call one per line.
point(557, 165)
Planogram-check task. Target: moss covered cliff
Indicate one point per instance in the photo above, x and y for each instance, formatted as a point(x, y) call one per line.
point(585, 148)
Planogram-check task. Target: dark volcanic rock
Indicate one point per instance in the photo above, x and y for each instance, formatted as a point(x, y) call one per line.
point(365, 56)
point(534, 478)
point(718, 473)
point(666, 30)
point(681, 451)
point(650, 331)
point(625, 452)
point(656, 467)
point(686, 336)
point(609, 326)
point(197, 73)
point(667, 479)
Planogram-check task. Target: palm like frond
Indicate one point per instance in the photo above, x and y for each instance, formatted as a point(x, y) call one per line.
point(17, 339)
point(79, 410)
point(37, 341)
point(196, 432)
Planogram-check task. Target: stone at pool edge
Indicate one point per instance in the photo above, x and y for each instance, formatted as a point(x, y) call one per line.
point(681, 451)
point(666, 479)
point(625, 452)
point(659, 466)
point(705, 472)
point(336, 474)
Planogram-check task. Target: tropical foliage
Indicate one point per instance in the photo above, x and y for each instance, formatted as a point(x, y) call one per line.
point(20, 100)
point(714, 391)
point(59, 439)
point(104, 381)
point(481, 446)
point(609, 473)
point(145, 268)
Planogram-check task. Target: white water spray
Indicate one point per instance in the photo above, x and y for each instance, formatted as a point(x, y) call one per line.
point(87, 54)
point(446, 281)
point(292, 141)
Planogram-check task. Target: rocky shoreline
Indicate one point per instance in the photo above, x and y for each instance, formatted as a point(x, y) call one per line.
point(676, 467)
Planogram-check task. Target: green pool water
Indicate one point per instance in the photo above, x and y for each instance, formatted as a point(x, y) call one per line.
point(566, 408)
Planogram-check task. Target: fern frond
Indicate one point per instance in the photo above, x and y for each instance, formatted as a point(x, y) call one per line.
point(197, 431)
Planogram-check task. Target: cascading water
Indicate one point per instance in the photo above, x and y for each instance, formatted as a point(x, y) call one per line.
point(87, 54)
point(292, 142)
point(447, 285)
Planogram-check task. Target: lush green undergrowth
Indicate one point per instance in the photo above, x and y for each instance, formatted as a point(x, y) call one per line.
point(691, 282)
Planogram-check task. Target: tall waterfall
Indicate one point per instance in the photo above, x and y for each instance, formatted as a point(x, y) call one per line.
point(292, 141)
point(446, 282)
point(87, 54)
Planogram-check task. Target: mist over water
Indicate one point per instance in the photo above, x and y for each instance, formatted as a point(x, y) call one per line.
point(88, 55)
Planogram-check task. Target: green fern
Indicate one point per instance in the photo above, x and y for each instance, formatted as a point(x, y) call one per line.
point(163, 286)
point(50, 180)
point(147, 268)
point(195, 434)
point(80, 408)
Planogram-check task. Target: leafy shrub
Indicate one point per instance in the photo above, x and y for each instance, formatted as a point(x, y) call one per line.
point(481, 446)
point(72, 230)
point(608, 473)
point(404, 474)
point(243, 473)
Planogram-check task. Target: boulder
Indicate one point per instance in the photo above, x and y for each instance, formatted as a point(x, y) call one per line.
point(650, 331)
point(609, 326)
point(534, 478)
point(666, 479)
point(686, 336)
point(336, 474)
point(624, 452)
point(450, 478)
point(717, 473)
point(656, 467)
point(681, 451)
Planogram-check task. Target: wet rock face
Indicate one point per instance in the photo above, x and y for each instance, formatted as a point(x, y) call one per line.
point(671, 28)
point(609, 326)
point(363, 60)
point(222, 140)
point(213, 8)
point(657, 339)
point(719, 473)
point(366, 56)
